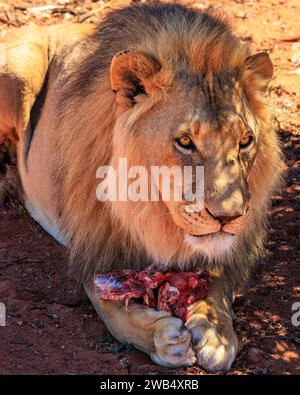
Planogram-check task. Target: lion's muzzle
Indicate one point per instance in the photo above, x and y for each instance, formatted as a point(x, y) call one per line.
point(204, 222)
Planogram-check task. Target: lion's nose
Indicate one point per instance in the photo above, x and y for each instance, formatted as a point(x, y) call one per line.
point(225, 219)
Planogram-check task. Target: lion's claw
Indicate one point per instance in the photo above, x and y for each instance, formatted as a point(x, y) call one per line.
point(215, 351)
point(172, 344)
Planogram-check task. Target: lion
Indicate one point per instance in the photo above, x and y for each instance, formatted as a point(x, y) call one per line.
point(157, 84)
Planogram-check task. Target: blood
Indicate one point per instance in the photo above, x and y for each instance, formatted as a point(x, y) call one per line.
point(173, 291)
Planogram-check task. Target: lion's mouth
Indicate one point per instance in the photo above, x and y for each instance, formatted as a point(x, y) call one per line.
point(202, 226)
point(211, 234)
point(211, 226)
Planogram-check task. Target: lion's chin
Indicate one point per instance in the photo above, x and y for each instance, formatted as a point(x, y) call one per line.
point(213, 246)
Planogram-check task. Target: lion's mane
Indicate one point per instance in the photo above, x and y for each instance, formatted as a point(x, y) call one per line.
point(99, 241)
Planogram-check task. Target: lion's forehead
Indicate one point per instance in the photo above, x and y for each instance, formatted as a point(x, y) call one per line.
point(217, 100)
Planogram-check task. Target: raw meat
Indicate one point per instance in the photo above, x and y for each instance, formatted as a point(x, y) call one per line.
point(173, 291)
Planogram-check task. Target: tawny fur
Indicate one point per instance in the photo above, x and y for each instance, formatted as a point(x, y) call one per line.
point(184, 42)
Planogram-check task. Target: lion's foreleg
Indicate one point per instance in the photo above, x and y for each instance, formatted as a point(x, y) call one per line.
point(163, 337)
point(210, 323)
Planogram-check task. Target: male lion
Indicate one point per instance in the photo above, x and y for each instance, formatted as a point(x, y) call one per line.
point(158, 84)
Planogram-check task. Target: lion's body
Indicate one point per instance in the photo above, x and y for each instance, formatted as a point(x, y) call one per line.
point(38, 136)
point(69, 124)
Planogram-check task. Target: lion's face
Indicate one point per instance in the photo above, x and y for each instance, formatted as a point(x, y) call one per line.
point(202, 125)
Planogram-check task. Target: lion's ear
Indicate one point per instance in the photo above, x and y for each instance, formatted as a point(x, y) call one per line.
point(259, 70)
point(130, 75)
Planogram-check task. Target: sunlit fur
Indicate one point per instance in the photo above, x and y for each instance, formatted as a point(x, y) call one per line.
point(93, 132)
point(212, 246)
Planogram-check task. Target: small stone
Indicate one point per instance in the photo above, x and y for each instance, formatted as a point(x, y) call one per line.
point(241, 15)
point(124, 363)
point(20, 323)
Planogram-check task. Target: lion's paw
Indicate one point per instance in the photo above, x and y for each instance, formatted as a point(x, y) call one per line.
point(215, 349)
point(172, 344)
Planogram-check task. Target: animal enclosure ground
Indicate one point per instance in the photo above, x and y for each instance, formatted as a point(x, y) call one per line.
point(51, 326)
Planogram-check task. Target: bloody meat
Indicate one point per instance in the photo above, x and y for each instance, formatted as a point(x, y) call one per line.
point(173, 292)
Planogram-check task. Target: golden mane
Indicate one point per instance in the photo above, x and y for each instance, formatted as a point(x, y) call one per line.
point(181, 39)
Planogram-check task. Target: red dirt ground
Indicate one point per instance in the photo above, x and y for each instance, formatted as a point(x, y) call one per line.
point(51, 326)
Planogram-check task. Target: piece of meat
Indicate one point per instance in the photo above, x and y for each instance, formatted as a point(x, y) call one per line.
point(180, 290)
point(173, 292)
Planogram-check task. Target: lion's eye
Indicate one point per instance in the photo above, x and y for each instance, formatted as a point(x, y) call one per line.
point(246, 141)
point(185, 144)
